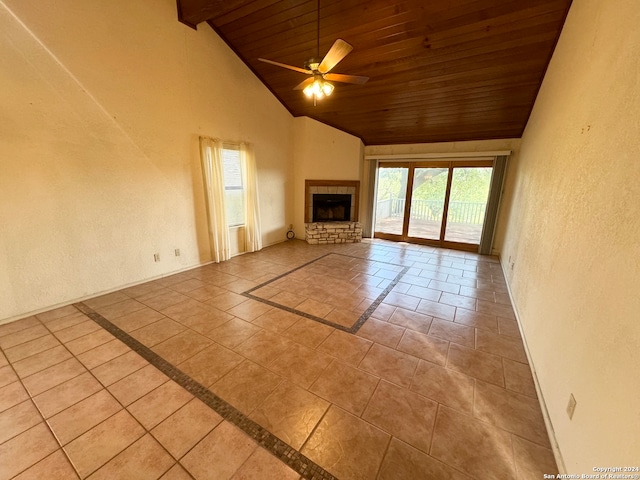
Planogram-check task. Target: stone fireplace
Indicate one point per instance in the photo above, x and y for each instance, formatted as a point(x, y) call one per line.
point(331, 211)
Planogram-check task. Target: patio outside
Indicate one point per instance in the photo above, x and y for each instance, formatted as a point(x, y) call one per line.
point(464, 224)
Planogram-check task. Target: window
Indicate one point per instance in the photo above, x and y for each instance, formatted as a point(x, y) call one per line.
point(231, 193)
point(233, 188)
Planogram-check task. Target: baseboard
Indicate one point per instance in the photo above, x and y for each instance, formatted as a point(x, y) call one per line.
point(98, 294)
point(105, 292)
point(543, 406)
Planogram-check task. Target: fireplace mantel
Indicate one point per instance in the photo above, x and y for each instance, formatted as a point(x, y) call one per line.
point(312, 187)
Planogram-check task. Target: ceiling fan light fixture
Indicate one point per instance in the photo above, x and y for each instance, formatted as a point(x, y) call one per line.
point(316, 86)
point(327, 88)
point(319, 88)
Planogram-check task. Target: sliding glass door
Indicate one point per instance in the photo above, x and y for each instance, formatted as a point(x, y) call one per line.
point(428, 193)
point(467, 204)
point(392, 188)
point(435, 203)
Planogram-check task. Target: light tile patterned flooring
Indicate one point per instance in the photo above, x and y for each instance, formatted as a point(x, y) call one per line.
point(435, 384)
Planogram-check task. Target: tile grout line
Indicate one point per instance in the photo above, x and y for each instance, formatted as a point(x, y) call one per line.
point(278, 277)
point(42, 417)
point(513, 436)
point(358, 323)
point(104, 388)
point(317, 425)
point(281, 450)
point(148, 431)
point(376, 303)
point(384, 456)
point(297, 312)
point(433, 430)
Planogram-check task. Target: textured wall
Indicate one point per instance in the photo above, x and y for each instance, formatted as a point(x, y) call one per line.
point(102, 105)
point(321, 153)
point(573, 233)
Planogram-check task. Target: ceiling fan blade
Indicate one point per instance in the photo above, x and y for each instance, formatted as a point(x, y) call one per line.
point(339, 77)
point(284, 65)
point(304, 83)
point(338, 51)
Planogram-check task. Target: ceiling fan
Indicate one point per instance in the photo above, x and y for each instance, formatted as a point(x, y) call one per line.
point(318, 85)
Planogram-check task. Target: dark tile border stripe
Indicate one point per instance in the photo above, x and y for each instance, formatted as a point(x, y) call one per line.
point(357, 324)
point(281, 450)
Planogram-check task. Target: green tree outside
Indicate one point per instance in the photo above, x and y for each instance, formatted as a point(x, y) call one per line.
point(469, 185)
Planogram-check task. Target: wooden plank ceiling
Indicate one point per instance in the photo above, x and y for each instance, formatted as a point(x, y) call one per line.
point(440, 70)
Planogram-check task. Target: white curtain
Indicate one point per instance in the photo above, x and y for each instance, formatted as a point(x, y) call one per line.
point(253, 236)
point(213, 173)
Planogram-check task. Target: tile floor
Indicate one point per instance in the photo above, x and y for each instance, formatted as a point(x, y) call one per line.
point(433, 382)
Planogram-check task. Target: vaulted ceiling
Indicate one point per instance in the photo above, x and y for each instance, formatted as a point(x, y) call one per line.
point(440, 70)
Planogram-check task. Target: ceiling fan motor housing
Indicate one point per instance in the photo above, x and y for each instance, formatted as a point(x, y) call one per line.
point(312, 64)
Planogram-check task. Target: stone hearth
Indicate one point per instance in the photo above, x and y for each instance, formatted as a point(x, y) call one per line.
point(324, 233)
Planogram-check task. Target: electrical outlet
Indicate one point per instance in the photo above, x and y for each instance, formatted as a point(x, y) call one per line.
point(156, 257)
point(571, 406)
point(513, 264)
point(177, 252)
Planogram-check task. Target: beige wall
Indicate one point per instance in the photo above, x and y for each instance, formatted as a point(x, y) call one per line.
point(102, 105)
point(573, 231)
point(321, 153)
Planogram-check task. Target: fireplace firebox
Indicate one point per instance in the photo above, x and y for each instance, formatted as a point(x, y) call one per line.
point(337, 193)
point(331, 207)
